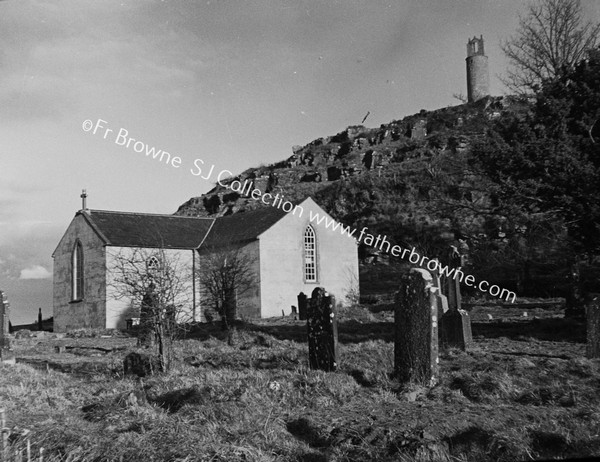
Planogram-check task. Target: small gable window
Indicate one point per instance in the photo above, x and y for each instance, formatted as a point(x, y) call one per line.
point(152, 264)
point(310, 255)
point(77, 272)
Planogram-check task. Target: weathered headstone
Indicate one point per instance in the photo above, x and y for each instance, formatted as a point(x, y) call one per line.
point(455, 326)
point(140, 364)
point(322, 331)
point(6, 353)
point(302, 306)
point(148, 318)
point(454, 297)
point(441, 299)
point(592, 314)
point(416, 322)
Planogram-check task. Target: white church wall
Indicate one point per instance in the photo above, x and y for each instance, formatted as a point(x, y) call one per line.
point(119, 308)
point(282, 261)
point(248, 303)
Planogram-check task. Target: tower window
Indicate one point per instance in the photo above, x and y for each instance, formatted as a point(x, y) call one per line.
point(77, 272)
point(310, 255)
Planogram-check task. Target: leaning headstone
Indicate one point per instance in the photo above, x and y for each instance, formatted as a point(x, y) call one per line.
point(302, 306)
point(416, 321)
point(592, 314)
point(6, 354)
point(456, 330)
point(455, 326)
point(322, 331)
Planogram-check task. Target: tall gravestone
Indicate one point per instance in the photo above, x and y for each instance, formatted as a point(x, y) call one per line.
point(322, 331)
point(416, 321)
point(148, 318)
point(592, 314)
point(6, 353)
point(302, 306)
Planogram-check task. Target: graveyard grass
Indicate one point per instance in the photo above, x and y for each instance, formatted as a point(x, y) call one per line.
point(525, 391)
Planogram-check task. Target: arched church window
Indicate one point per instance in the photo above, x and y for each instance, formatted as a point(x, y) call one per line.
point(152, 264)
point(77, 272)
point(310, 255)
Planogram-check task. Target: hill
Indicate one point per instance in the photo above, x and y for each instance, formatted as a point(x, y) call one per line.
point(412, 180)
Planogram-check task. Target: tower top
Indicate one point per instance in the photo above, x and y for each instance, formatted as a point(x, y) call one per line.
point(475, 47)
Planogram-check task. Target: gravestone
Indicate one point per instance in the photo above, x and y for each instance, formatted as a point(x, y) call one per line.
point(592, 314)
point(416, 323)
point(148, 318)
point(302, 306)
point(6, 354)
point(455, 326)
point(441, 299)
point(141, 364)
point(322, 331)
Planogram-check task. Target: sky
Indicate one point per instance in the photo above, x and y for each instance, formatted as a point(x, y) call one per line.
point(233, 83)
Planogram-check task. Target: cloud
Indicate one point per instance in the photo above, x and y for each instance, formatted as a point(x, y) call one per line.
point(35, 272)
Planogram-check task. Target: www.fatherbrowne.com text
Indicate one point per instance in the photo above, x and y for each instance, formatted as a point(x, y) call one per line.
point(379, 242)
point(122, 138)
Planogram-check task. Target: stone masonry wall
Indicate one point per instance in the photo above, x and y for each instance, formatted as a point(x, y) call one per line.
point(90, 312)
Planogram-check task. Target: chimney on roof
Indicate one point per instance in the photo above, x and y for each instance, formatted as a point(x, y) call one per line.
point(83, 200)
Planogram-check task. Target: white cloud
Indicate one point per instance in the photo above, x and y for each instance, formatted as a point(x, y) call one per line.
point(35, 272)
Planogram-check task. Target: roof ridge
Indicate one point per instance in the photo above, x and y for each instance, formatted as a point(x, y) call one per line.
point(148, 214)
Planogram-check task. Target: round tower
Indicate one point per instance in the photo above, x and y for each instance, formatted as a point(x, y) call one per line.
point(478, 76)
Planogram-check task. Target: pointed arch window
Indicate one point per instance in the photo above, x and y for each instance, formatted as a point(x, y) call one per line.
point(152, 264)
point(310, 255)
point(77, 272)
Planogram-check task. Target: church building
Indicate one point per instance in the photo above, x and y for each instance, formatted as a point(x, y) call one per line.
point(288, 255)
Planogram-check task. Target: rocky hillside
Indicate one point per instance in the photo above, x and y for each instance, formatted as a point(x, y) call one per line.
point(411, 180)
point(353, 153)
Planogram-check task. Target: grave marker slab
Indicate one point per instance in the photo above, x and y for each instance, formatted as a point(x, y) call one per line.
point(6, 353)
point(455, 326)
point(322, 331)
point(592, 314)
point(302, 306)
point(416, 357)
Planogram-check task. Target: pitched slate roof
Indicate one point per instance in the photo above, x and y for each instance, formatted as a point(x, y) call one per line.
point(148, 230)
point(242, 227)
point(126, 229)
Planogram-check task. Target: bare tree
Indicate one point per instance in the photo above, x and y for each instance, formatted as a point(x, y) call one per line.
point(225, 275)
point(551, 36)
point(159, 283)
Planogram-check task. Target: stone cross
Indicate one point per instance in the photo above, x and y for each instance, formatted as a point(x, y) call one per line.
point(322, 331)
point(416, 357)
